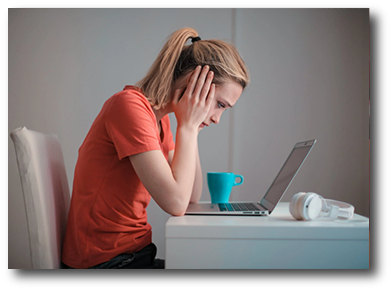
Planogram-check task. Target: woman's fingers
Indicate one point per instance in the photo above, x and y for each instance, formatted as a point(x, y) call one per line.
point(201, 82)
point(210, 97)
point(192, 81)
point(207, 86)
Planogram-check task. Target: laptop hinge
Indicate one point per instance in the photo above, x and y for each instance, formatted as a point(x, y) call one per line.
point(266, 205)
point(258, 203)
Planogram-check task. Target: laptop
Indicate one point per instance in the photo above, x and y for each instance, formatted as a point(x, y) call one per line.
point(275, 192)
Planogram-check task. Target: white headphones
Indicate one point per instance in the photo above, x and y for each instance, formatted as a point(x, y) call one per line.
point(309, 206)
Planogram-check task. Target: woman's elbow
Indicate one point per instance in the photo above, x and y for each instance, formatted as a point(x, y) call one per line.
point(177, 211)
point(178, 207)
point(172, 201)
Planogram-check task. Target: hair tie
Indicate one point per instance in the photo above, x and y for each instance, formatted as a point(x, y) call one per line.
point(195, 39)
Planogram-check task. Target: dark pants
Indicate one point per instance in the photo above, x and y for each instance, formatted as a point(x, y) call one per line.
point(143, 259)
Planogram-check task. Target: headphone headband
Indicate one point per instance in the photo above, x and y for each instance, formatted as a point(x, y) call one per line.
point(343, 209)
point(309, 206)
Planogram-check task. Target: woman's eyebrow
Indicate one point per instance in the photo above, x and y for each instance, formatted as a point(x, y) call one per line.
point(228, 104)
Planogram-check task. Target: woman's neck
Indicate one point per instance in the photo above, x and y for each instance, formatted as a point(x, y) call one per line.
point(160, 113)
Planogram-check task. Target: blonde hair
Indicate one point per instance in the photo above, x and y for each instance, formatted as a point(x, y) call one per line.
point(177, 59)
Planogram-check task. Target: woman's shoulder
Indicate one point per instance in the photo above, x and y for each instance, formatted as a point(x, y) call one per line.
point(130, 91)
point(130, 95)
point(130, 99)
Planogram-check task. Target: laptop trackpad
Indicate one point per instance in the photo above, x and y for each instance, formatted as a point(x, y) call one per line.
point(202, 207)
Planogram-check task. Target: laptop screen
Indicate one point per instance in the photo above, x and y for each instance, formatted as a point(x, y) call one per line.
point(286, 175)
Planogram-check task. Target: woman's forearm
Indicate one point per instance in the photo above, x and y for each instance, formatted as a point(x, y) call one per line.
point(198, 184)
point(184, 163)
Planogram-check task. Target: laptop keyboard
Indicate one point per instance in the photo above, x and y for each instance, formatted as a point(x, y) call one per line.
point(237, 207)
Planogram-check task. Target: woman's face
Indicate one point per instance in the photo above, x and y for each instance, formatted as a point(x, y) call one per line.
point(226, 95)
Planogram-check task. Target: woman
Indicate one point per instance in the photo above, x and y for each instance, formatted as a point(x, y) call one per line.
point(129, 155)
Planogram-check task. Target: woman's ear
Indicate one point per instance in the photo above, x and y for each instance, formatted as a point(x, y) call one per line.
point(182, 82)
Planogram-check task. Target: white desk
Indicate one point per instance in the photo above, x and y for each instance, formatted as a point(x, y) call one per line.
point(274, 242)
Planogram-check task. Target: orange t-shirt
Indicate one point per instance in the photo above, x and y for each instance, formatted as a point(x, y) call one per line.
point(108, 214)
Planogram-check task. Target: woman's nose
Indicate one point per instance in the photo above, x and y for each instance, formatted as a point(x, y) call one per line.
point(216, 118)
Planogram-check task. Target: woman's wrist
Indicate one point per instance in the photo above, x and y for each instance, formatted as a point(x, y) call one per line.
point(187, 129)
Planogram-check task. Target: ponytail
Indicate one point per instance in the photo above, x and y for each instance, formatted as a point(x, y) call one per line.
point(157, 83)
point(176, 60)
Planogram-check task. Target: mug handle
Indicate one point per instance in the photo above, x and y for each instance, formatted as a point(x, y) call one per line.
point(238, 176)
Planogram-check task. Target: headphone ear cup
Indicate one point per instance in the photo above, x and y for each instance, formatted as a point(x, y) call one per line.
point(306, 206)
point(302, 201)
point(313, 207)
point(294, 202)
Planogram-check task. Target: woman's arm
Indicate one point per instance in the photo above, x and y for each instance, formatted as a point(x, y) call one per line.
point(171, 186)
point(198, 184)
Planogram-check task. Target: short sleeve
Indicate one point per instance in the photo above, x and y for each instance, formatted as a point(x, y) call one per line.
point(131, 124)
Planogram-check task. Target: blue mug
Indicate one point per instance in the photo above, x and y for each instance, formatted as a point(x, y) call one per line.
point(220, 185)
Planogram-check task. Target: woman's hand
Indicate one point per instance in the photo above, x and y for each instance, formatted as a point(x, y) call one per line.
point(191, 107)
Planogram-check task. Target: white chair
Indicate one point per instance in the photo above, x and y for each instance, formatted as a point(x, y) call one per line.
point(46, 194)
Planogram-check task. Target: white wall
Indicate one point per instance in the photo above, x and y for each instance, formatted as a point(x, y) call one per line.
point(310, 79)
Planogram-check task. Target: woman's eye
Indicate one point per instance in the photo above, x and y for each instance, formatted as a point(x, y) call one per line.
point(221, 105)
